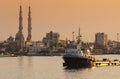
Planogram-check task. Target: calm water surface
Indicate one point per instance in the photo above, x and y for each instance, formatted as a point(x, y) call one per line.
point(45, 67)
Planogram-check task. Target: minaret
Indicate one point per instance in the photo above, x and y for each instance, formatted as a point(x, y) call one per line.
point(19, 36)
point(29, 25)
point(20, 20)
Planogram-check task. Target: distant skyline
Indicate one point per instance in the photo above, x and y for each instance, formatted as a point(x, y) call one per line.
point(62, 16)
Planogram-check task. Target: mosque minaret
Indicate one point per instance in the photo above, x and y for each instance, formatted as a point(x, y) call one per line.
point(19, 38)
point(29, 25)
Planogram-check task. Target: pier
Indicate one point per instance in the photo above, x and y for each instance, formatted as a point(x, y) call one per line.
point(106, 62)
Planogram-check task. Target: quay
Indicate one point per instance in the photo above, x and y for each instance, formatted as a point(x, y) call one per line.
point(106, 62)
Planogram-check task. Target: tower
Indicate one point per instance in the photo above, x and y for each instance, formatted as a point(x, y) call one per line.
point(29, 25)
point(19, 35)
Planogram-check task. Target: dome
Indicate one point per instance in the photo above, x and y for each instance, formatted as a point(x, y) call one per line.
point(10, 39)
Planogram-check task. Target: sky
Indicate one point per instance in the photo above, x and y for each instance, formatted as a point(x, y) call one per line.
point(62, 16)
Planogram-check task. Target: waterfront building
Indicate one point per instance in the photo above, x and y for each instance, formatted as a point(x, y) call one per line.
point(51, 39)
point(114, 47)
point(101, 43)
point(9, 46)
point(101, 39)
point(10, 39)
point(35, 47)
point(112, 44)
point(19, 38)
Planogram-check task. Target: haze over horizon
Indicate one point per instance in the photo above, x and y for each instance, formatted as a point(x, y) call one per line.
point(62, 16)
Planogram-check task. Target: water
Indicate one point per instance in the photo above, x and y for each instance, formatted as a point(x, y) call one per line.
point(46, 67)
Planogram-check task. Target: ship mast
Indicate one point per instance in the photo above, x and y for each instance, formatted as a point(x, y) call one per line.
point(79, 36)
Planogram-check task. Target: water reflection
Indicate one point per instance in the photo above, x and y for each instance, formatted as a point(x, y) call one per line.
point(30, 62)
point(23, 60)
point(78, 73)
point(20, 62)
point(24, 67)
point(40, 67)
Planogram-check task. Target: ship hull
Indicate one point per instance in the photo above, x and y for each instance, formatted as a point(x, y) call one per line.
point(77, 62)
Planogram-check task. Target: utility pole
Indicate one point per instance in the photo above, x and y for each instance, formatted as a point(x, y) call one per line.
point(73, 35)
point(117, 37)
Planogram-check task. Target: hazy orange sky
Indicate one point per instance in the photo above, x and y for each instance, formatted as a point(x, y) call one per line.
point(62, 16)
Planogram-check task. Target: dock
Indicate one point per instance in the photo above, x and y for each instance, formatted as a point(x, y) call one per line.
point(106, 62)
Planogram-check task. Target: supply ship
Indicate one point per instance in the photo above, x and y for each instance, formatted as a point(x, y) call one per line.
point(76, 56)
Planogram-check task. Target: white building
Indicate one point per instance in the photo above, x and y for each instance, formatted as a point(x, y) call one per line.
point(35, 47)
